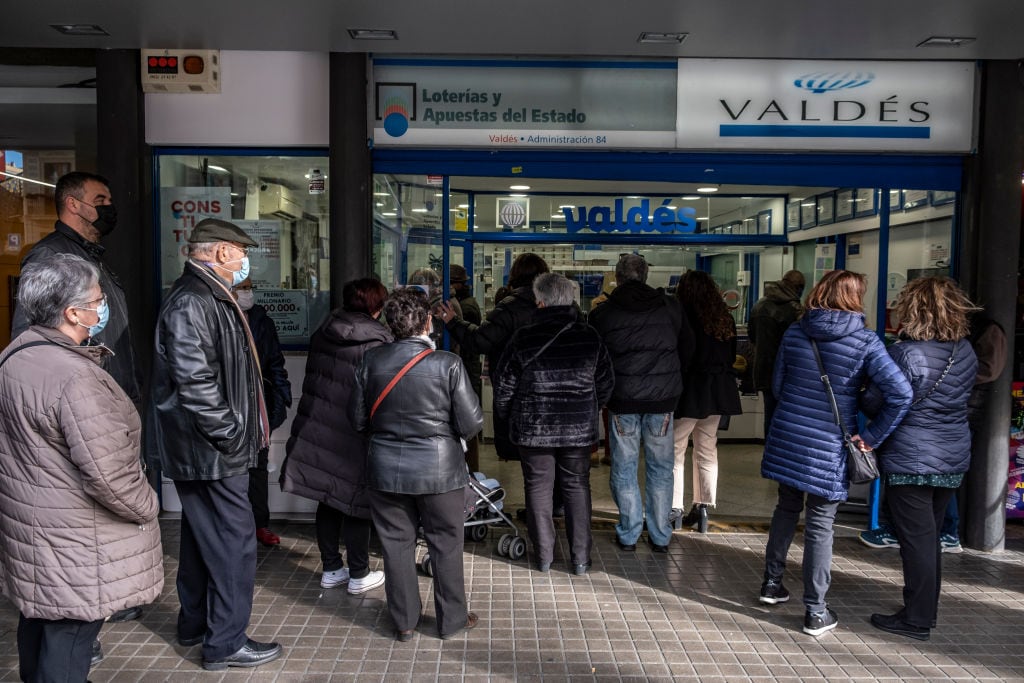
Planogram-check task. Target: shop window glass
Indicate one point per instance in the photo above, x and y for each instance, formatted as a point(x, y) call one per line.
point(281, 201)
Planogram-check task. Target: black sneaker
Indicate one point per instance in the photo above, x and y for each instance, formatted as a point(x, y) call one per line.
point(816, 623)
point(773, 592)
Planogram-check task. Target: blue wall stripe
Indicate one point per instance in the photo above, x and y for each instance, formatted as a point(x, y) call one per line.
point(734, 130)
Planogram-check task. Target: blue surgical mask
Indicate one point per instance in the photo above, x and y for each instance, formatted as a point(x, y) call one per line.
point(238, 276)
point(103, 311)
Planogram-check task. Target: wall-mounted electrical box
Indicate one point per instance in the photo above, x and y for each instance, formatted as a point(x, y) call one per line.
point(178, 71)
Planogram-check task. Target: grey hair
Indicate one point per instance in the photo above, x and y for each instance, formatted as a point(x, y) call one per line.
point(407, 312)
point(631, 267)
point(49, 286)
point(202, 250)
point(554, 290)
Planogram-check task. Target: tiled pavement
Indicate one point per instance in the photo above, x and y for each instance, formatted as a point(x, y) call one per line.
point(688, 615)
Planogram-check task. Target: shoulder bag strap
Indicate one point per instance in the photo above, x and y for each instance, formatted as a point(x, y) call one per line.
point(828, 390)
point(548, 343)
point(394, 380)
point(941, 377)
point(25, 346)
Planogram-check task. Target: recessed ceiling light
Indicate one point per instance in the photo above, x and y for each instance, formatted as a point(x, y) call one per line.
point(946, 41)
point(380, 203)
point(79, 29)
point(519, 187)
point(707, 190)
point(661, 37)
point(517, 195)
point(439, 194)
point(690, 198)
point(372, 34)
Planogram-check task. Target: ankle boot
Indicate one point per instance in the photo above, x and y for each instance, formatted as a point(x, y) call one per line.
point(691, 517)
point(702, 519)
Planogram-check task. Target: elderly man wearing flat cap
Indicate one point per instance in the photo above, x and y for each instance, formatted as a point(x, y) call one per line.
point(207, 424)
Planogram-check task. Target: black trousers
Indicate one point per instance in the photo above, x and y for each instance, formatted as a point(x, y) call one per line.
point(333, 525)
point(397, 517)
point(564, 471)
point(258, 490)
point(917, 515)
point(55, 650)
point(216, 563)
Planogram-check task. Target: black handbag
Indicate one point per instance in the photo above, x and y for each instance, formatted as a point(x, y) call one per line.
point(861, 466)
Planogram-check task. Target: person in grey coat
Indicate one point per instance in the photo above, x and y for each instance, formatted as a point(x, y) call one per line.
point(804, 451)
point(326, 459)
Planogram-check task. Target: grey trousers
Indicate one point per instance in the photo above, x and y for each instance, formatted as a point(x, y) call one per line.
point(821, 514)
point(397, 517)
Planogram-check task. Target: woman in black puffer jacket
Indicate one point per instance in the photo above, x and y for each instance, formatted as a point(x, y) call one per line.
point(489, 338)
point(326, 454)
point(416, 467)
point(925, 458)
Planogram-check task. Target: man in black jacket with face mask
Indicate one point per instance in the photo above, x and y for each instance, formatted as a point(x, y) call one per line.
point(85, 214)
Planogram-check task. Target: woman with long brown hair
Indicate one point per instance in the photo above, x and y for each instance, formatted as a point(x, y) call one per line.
point(709, 392)
point(804, 449)
point(924, 460)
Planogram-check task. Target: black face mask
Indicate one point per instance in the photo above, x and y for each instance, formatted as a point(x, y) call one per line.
point(106, 219)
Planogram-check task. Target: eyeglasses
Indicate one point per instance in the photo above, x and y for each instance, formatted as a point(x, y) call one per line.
point(99, 302)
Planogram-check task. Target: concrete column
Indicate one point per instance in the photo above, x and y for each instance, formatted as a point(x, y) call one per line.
point(991, 223)
point(351, 173)
point(125, 160)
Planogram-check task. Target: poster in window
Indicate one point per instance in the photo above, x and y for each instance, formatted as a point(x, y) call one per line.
point(808, 213)
point(826, 208)
point(793, 216)
point(844, 205)
point(866, 201)
point(895, 200)
point(914, 198)
point(181, 208)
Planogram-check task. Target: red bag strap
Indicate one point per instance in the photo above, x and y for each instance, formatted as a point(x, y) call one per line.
point(394, 380)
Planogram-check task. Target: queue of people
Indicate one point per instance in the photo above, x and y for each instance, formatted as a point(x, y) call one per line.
point(380, 440)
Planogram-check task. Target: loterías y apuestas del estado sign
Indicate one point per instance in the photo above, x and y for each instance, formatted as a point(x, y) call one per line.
point(665, 218)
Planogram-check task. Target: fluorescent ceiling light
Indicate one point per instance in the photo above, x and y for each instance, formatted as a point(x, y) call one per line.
point(566, 206)
point(219, 169)
point(79, 29)
point(700, 218)
point(690, 198)
point(389, 213)
point(808, 204)
point(419, 210)
point(27, 180)
point(517, 195)
point(707, 190)
point(661, 37)
point(381, 194)
point(372, 34)
point(463, 206)
point(558, 216)
point(946, 41)
point(671, 206)
point(519, 187)
point(439, 194)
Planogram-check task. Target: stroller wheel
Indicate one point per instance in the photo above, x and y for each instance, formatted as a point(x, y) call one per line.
point(427, 565)
point(503, 544)
point(517, 548)
point(476, 533)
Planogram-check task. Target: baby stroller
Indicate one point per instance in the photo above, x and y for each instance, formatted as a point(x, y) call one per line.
point(484, 508)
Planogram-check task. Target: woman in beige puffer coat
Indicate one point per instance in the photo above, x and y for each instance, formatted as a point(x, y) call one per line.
point(79, 538)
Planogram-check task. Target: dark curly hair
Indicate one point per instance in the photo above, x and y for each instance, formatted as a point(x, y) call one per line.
point(698, 292)
point(407, 311)
point(525, 268)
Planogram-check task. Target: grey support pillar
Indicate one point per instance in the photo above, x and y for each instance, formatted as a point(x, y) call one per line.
point(351, 172)
point(124, 159)
point(991, 248)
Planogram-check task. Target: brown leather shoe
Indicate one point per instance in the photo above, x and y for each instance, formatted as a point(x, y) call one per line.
point(471, 621)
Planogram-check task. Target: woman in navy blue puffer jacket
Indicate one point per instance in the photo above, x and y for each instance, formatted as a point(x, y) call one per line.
point(925, 459)
point(804, 450)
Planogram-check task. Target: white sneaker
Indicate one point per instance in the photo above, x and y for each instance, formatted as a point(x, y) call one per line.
point(367, 583)
point(335, 578)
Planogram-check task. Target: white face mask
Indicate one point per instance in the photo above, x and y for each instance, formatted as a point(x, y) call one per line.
point(246, 299)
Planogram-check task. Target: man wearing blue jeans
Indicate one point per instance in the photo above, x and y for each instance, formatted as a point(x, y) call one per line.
point(649, 341)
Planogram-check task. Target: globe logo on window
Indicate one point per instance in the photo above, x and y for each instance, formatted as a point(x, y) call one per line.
point(513, 214)
point(823, 81)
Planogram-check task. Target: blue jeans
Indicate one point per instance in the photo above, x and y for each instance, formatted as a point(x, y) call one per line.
point(626, 434)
